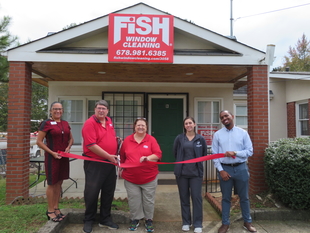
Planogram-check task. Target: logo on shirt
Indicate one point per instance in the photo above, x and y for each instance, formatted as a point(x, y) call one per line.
point(198, 144)
point(145, 146)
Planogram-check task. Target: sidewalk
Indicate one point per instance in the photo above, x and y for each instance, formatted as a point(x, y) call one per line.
point(167, 215)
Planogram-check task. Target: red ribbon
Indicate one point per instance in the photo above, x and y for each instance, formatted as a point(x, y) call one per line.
point(131, 165)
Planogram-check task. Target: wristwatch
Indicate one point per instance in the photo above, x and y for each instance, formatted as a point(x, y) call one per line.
point(235, 153)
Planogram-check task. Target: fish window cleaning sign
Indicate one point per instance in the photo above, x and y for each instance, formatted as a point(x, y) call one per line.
point(140, 38)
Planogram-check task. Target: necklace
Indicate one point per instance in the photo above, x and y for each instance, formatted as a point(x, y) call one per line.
point(62, 128)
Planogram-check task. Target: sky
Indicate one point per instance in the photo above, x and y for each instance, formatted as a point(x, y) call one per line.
point(256, 23)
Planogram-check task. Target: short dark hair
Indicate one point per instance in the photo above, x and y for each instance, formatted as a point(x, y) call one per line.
point(225, 111)
point(139, 119)
point(102, 102)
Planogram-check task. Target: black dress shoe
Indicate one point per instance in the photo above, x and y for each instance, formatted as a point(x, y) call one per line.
point(249, 227)
point(88, 228)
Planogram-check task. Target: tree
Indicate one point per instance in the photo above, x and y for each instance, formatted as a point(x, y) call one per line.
point(3, 106)
point(6, 40)
point(299, 56)
point(38, 104)
point(39, 92)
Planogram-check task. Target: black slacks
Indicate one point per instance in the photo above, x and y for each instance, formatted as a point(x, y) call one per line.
point(99, 177)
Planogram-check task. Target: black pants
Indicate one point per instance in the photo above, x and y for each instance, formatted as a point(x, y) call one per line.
point(99, 177)
point(191, 188)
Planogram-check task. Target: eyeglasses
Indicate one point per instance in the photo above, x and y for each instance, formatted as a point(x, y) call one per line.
point(57, 109)
point(102, 109)
point(141, 118)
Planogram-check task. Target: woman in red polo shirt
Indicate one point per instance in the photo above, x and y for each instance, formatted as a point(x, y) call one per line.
point(140, 182)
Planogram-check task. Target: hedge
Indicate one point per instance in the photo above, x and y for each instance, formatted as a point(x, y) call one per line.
point(287, 170)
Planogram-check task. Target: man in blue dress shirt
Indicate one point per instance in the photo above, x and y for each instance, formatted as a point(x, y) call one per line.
point(236, 144)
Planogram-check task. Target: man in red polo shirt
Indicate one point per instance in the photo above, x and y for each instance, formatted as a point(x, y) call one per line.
point(100, 142)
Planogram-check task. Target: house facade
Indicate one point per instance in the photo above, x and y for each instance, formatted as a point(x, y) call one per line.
point(289, 98)
point(197, 79)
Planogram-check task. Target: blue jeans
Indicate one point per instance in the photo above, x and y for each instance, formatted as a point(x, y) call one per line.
point(240, 181)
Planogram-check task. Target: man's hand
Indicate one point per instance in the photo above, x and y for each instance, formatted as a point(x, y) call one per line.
point(230, 154)
point(113, 158)
point(225, 176)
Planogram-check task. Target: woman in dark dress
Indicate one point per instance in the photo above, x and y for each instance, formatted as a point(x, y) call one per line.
point(58, 137)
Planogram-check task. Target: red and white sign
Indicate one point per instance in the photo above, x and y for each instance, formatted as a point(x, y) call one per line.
point(140, 38)
point(207, 132)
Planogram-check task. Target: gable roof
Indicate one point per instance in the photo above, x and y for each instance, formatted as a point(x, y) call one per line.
point(211, 57)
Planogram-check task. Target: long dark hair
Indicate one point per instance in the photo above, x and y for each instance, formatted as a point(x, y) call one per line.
point(189, 118)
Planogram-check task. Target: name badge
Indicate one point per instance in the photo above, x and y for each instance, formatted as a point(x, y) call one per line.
point(53, 123)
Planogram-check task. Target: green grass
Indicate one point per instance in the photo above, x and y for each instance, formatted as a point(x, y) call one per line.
point(28, 218)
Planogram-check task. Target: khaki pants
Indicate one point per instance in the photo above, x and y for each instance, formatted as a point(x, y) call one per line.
point(141, 199)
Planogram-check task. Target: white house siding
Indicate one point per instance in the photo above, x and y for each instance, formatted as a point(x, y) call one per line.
point(297, 90)
point(66, 89)
point(278, 116)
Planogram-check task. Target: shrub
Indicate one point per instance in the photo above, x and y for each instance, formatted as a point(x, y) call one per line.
point(287, 170)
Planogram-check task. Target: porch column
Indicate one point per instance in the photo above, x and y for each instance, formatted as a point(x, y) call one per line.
point(18, 146)
point(258, 107)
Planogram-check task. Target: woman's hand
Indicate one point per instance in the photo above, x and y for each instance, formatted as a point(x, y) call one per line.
point(144, 158)
point(67, 150)
point(56, 155)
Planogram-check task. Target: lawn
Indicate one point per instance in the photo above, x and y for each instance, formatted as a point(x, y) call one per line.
point(26, 218)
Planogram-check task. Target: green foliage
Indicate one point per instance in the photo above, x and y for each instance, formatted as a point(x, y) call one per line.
point(6, 41)
point(3, 106)
point(287, 166)
point(38, 104)
point(299, 56)
point(29, 218)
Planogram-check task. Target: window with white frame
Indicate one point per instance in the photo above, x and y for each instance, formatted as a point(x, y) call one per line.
point(76, 111)
point(207, 117)
point(302, 119)
point(241, 115)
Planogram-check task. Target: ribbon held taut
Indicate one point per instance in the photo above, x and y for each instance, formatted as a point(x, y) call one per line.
point(132, 165)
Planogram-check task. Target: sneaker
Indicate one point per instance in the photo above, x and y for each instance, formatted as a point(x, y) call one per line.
point(110, 225)
point(198, 230)
point(88, 227)
point(185, 228)
point(149, 225)
point(134, 225)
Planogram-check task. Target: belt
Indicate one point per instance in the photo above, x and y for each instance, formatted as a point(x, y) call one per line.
point(231, 164)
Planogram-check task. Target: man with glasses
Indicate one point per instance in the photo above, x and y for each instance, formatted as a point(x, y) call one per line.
point(99, 142)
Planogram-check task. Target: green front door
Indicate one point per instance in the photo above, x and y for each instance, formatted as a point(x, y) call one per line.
point(167, 123)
